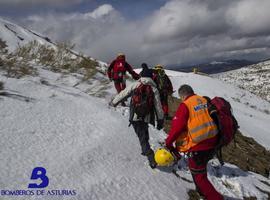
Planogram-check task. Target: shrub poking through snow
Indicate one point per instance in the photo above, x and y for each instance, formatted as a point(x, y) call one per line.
point(59, 58)
point(16, 67)
point(3, 45)
point(1, 85)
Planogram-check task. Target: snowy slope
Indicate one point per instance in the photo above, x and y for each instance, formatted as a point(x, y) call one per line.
point(16, 35)
point(82, 143)
point(254, 78)
point(88, 147)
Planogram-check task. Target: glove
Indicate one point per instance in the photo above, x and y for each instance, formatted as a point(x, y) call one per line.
point(173, 150)
point(136, 76)
point(160, 124)
point(176, 154)
point(111, 103)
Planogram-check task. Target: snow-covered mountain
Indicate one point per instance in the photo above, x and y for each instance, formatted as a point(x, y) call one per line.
point(254, 78)
point(215, 67)
point(15, 35)
point(51, 121)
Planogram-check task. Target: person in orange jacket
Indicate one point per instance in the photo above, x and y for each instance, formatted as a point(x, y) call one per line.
point(194, 132)
point(117, 71)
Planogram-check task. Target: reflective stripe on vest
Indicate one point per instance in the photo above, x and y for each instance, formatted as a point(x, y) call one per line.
point(198, 128)
point(205, 136)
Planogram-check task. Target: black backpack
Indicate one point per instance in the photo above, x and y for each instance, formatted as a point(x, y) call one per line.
point(161, 80)
point(142, 100)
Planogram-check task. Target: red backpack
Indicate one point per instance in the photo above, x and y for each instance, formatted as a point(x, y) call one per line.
point(221, 112)
point(226, 122)
point(143, 100)
point(119, 69)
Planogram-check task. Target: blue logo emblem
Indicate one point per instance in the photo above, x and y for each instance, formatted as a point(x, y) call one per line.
point(39, 173)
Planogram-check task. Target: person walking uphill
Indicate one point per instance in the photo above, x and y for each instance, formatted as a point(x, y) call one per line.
point(145, 107)
point(145, 69)
point(194, 132)
point(117, 71)
point(165, 87)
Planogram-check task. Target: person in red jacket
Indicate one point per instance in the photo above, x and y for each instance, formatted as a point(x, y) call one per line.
point(117, 71)
point(194, 132)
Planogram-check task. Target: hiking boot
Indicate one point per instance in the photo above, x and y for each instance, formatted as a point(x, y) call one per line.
point(144, 154)
point(153, 164)
point(151, 160)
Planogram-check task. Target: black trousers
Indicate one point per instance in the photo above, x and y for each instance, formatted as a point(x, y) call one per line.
point(141, 129)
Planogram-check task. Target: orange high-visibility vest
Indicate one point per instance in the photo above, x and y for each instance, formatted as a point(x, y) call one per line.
point(200, 125)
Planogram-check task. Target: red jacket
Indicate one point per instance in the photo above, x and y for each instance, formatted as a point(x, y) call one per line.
point(118, 68)
point(179, 125)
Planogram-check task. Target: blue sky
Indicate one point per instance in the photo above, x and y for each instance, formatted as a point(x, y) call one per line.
point(131, 9)
point(169, 32)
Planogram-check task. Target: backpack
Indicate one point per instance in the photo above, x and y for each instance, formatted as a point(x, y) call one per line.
point(118, 70)
point(161, 80)
point(221, 112)
point(142, 100)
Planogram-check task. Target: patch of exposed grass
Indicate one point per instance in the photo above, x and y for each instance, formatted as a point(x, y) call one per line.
point(173, 105)
point(248, 155)
point(193, 195)
point(250, 198)
point(17, 68)
point(59, 58)
point(1, 62)
point(1, 85)
point(3, 44)
point(3, 51)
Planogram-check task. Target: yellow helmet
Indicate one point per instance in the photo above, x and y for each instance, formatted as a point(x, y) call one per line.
point(157, 67)
point(163, 157)
point(120, 55)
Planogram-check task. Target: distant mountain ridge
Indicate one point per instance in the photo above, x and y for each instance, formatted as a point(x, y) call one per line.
point(215, 67)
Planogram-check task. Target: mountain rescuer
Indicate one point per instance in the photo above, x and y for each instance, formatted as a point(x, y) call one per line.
point(145, 69)
point(165, 87)
point(194, 132)
point(145, 106)
point(117, 71)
